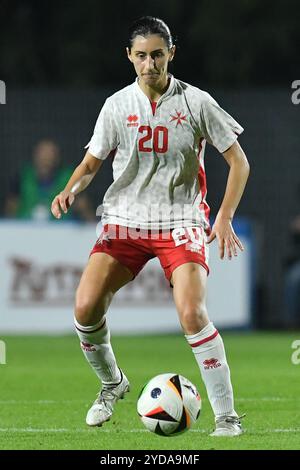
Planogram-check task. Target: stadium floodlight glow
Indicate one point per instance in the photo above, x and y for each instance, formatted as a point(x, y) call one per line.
point(2, 92)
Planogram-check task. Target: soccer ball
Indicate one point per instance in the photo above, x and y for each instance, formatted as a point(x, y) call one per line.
point(169, 404)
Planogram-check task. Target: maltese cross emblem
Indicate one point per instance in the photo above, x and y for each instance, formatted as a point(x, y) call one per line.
point(178, 117)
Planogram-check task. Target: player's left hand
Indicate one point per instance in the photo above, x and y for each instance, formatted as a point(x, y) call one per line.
point(223, 231)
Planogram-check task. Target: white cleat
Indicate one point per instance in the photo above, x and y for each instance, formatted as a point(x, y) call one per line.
point(228, 426)
point(102, 409)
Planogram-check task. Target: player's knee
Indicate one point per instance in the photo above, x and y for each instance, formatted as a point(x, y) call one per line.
point(82, 311)
point(194, 317)
point(85, 312)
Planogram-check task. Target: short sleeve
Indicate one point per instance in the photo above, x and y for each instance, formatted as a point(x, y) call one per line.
point(104, 139)
point(217, 126)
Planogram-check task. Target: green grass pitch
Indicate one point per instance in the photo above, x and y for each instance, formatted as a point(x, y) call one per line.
point(47, 387)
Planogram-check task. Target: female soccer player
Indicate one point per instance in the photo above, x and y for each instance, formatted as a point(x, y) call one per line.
point(157, 128)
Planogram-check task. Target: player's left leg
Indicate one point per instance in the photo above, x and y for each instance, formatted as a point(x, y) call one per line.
point(189, 283)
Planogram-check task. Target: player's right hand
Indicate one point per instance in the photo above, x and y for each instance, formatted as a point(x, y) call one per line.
point(62, 202)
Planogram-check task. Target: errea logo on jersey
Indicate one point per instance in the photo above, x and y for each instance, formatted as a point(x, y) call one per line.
point(132, 120)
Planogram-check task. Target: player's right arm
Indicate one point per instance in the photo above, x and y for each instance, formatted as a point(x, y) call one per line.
point(103, 142)
point(80, 179)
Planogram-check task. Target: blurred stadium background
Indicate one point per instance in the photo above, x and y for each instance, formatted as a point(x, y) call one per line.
point(59, 61)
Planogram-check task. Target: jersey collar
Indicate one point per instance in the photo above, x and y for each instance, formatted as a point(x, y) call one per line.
point(167, 93)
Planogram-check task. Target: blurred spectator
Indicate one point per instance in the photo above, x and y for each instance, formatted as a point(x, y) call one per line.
point(33, 190)
point(292, 278)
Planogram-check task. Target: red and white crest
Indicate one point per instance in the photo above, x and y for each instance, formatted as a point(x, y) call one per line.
point(178, 118)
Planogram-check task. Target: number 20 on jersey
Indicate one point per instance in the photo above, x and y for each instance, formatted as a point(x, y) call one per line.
point(159, 137)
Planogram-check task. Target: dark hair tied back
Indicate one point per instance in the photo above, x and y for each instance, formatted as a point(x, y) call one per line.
point(149, 25)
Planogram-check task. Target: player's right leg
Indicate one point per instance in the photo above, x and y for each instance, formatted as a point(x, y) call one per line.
point(102, 277)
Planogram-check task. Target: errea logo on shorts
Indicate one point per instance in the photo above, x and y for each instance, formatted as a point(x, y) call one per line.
point(2, 92)
point(132, 120)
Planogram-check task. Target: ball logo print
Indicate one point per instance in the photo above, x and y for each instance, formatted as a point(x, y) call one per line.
point(169, 404)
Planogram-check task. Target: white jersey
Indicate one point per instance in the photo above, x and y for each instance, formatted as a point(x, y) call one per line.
point(158, 167)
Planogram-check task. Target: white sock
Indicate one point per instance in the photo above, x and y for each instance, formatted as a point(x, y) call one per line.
point(208, 347)
point(95, 344)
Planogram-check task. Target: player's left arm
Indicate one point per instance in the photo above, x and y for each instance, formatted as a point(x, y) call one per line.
point(236, 182)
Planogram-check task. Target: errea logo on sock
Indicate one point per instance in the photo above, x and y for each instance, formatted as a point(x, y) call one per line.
point(88, 347)
point(211, 363)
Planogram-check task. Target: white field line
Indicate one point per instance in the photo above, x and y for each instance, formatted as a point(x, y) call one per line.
point(249, 399)
point(128, 401)
point(39, 402)
point(111, 431)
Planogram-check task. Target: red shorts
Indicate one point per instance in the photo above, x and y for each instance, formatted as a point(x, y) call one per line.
point(134, 247)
